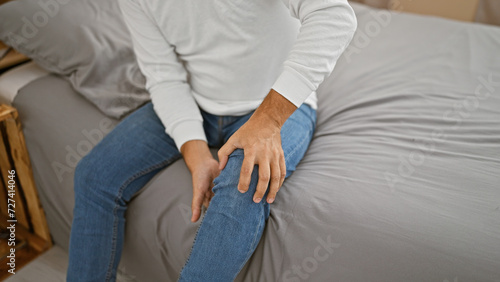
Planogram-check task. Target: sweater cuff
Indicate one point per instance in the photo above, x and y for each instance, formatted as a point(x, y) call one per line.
point(188, 130)
point(294, 87)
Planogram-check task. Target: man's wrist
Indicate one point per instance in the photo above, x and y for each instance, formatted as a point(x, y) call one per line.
point(195, 152)
point(275, 108)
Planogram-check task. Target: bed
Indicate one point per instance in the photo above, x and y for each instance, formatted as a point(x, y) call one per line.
point(401, 181)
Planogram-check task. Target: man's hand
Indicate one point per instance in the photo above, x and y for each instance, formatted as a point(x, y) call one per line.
point(260, 140)
point(204, 169)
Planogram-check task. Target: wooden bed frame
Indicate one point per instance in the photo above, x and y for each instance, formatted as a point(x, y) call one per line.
point(20, 210)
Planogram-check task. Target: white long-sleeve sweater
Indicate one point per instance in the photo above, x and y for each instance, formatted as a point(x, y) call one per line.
point(225, 55)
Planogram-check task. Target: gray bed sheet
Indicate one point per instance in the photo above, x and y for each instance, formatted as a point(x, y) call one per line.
point(401, 182)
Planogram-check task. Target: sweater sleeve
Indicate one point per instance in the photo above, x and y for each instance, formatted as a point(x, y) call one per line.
point(166, 77)
point(327, 28)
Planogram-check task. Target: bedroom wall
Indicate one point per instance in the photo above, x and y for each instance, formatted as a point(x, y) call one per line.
point(488, 11)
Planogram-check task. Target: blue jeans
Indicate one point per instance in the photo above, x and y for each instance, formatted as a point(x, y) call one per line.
point(130, 155)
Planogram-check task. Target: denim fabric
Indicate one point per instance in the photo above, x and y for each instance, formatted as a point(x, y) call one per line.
point(129, 156)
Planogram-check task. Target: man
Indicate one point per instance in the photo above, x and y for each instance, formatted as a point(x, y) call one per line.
point(232, 73)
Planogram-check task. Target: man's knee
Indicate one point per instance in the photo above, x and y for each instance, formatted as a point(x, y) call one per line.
point(88, 175)
point(226, 184)
point(230, 175)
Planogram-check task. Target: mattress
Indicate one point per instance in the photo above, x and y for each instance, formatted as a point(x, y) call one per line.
point(401, 181)
point(12, 81)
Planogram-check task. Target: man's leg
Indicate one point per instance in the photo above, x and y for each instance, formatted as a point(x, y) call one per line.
point(105, 181)
point(233, 223)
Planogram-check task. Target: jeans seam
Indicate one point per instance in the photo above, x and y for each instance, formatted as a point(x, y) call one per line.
point(250, 252)
point(303, 140)
point(296, 148)
point(246, 258)
point(192, 247)
point(117, 198)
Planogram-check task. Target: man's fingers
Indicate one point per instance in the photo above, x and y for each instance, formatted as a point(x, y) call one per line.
point(206, 201)
point(224, 153)
point(275, 180)
point(264, 177)
point(207, 198)
point(282, 168)
point(246, 173)
point(196, 205)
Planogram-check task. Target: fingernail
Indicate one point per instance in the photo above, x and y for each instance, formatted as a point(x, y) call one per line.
point(241, 190)
point(257, 200)
point(271, 200)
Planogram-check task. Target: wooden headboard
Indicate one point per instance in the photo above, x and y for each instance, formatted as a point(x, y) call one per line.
point(464, 10)
point(484, 11)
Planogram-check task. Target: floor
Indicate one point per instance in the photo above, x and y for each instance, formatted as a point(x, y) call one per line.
point(49, 267)
point(23, 254)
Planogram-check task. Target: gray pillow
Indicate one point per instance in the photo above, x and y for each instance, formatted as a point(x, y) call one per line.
point(83, 40)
